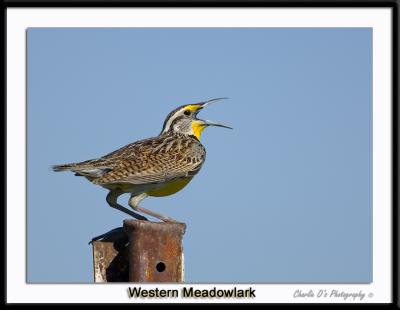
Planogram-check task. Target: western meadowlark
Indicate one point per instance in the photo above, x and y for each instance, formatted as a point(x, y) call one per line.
point(158, 166)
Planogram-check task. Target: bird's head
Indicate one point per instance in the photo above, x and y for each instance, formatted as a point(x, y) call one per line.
point(184, 119)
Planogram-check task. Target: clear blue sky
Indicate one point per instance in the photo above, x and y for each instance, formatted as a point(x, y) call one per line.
point(284, 197)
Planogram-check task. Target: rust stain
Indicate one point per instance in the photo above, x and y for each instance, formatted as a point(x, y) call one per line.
point(140, 252)
point(151, 244)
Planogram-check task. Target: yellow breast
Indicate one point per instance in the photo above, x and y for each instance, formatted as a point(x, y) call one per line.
point(169, 188)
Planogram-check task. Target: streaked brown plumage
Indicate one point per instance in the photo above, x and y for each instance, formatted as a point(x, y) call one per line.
point(157, 166)
point(159, 159)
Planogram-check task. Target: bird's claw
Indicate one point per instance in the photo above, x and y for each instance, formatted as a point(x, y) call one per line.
point(169, 220)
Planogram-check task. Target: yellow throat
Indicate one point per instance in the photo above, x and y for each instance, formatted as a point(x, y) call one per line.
point(197, 128)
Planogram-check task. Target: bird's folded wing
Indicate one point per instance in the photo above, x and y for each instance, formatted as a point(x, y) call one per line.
point(162, 168)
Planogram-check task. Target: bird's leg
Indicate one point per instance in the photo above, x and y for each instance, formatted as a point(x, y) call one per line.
point(112, 201)
point(134, 203)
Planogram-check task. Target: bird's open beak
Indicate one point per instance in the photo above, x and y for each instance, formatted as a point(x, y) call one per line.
point(211, 123)
point(197, 107)
point(204, 104)
point(208, 102)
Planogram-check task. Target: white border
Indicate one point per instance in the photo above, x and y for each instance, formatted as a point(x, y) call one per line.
point(19, 19)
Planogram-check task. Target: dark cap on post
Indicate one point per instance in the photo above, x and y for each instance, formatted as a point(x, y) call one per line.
point(155, 251)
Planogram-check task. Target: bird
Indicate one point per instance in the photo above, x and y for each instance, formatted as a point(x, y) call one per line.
point(157, 166)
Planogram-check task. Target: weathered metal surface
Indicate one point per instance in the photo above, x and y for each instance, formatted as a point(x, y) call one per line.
point(110, 257)
point(155, 251)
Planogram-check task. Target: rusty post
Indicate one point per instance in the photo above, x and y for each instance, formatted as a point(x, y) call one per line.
point(155, 251)
point(110, 257)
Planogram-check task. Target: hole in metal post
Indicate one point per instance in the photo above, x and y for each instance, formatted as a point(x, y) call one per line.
point(160, 267)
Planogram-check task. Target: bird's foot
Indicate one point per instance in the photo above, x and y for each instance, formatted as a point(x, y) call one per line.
point(140, 217)
point(169, 220)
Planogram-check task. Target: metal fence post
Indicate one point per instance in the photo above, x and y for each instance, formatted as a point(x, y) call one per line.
point(155, 251)
point(141, 251)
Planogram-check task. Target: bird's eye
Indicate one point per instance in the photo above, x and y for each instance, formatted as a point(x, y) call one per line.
point(187, 112)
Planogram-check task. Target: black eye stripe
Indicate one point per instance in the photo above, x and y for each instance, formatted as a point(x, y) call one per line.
point(187, 112)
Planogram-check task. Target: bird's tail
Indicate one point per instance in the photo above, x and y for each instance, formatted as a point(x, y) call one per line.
point(64, 167)
point(83, 169)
